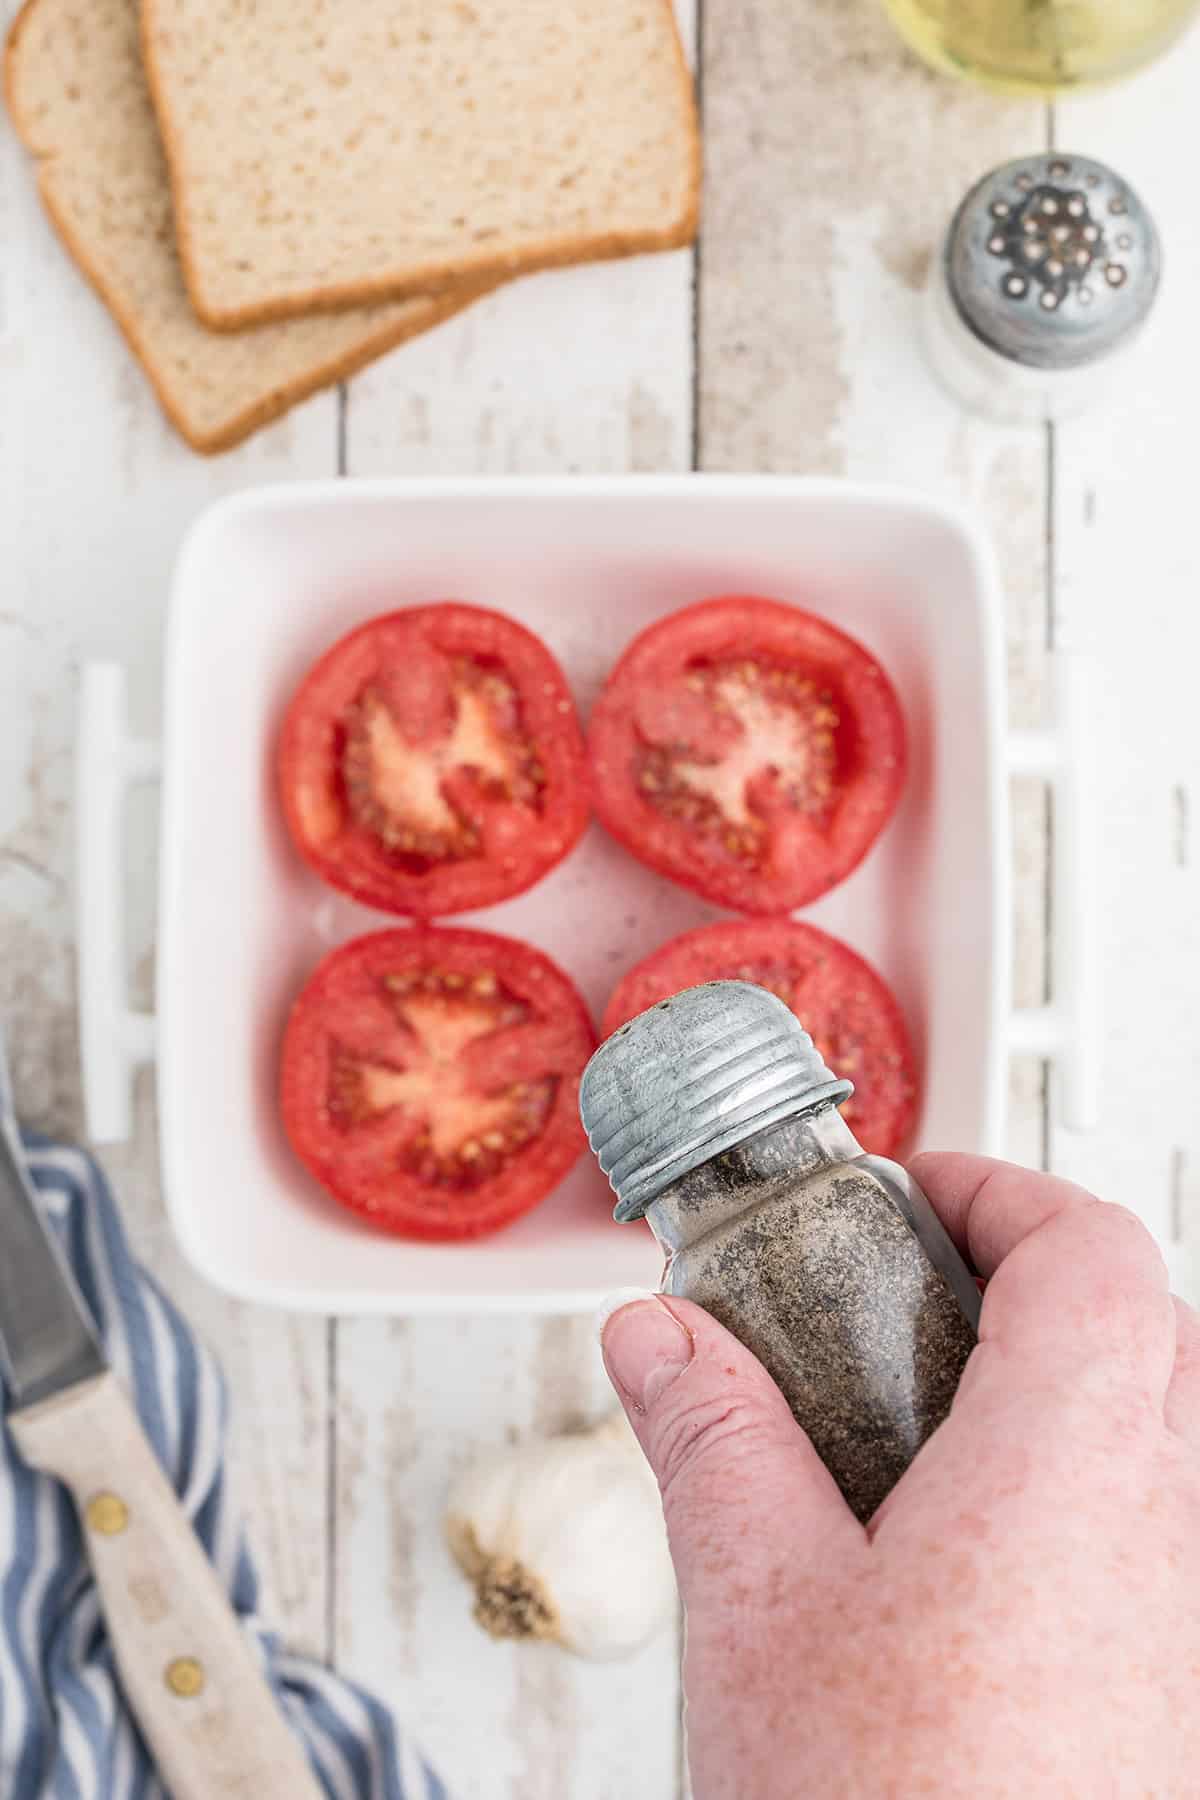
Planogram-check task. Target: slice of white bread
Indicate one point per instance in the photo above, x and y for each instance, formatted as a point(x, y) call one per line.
point(328, 152)
point(78, 97)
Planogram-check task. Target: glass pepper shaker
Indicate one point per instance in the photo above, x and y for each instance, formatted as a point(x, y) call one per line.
point(716, 1119)
point(1049, 271)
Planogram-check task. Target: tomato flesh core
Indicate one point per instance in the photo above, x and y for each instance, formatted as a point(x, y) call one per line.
point(429, 1079)
point(431, 762)
point(734, 743)
point(749, 750)
point(452, 1128)
point(424, 744)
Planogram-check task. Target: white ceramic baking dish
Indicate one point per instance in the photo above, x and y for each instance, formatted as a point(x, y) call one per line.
point(267, 580)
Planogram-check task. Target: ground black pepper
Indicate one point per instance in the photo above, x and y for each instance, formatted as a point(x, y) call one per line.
point(813, 1265)
point(716, 1119)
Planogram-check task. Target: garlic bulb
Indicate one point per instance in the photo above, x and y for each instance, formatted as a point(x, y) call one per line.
point(564, 1540)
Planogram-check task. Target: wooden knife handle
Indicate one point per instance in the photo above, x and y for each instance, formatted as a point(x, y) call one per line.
point(188, 1671)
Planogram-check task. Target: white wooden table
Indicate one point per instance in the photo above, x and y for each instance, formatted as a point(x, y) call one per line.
point(788, 342)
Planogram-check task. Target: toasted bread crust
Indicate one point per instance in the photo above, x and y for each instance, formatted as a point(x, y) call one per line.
point(433, 276)
point(241, 421)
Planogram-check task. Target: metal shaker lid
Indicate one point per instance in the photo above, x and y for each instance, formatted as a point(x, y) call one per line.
point(691, 1077)
point(1053, 261)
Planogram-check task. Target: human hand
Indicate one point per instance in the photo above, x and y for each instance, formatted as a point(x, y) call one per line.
point(1022, 1614)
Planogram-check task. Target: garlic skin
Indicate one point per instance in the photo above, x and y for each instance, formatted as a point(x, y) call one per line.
point(564, 1541)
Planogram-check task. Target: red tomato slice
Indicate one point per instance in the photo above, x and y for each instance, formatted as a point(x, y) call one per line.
point(749, 750)
point(430, 1079)
point(847, 1007)
point(432, 762)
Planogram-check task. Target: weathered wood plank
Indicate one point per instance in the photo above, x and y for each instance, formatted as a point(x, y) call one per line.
point(94, 494)
point(417, 1400)
point(583, 370)
point(834, 161)
point(1126, 559)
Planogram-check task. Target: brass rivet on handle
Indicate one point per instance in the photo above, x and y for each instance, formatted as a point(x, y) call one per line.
point(107, 1514)
point(185, 1677)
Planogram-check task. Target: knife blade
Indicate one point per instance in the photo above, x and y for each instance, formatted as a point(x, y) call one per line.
point(48, 1341)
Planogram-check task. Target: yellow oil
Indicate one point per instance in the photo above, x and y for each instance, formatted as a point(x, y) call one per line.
point(1040, 46)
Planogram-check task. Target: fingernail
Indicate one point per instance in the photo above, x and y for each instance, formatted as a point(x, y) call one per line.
point(616, 1300)
point(645, 1349)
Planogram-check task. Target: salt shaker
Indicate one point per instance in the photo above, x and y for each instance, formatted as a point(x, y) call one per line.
point(716, 1119)
point(1049, 270)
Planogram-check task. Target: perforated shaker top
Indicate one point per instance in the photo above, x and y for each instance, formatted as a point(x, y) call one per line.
point(1053, 261)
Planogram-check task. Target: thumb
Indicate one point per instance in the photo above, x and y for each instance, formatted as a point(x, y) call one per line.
point(743, 1490)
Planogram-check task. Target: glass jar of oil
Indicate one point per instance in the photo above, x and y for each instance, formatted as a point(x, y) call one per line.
point(1041, 46)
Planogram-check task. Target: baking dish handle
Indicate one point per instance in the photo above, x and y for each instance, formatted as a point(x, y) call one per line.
point(1067, 1030)
point(114, 1040)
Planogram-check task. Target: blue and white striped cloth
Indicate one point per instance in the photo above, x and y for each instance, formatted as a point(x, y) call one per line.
point(65, 1732)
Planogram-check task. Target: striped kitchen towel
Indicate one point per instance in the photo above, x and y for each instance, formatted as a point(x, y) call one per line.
point(65, 1733)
